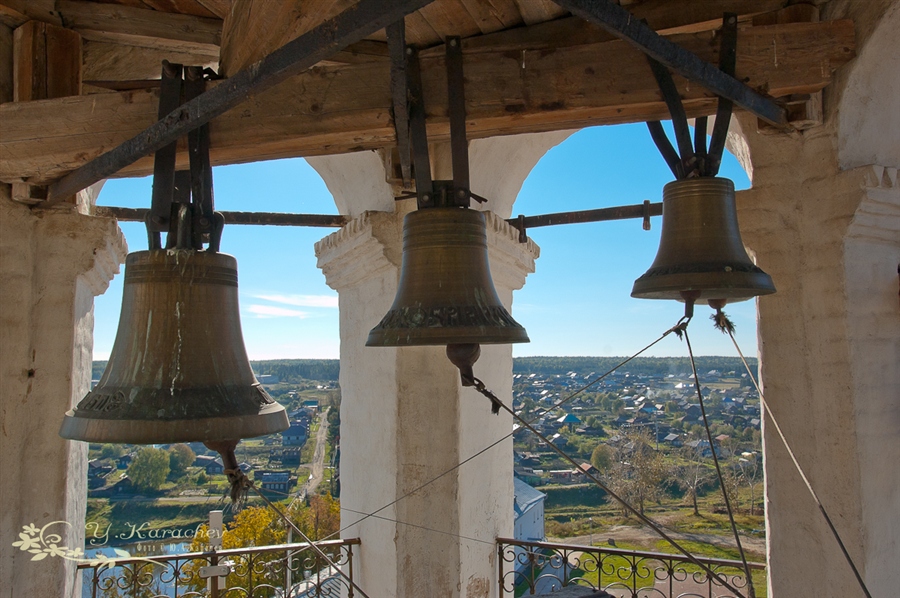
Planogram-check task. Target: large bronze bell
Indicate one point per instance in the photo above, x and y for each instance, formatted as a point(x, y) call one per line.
point(178, 371)
point(701, 255)
point(445, 295)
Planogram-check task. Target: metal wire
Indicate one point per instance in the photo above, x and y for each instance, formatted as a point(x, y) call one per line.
point(480, 387)
point(498, 441)
point(712, 448)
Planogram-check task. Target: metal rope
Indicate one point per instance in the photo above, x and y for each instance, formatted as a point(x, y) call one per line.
point(768, 412)
point(712, 448)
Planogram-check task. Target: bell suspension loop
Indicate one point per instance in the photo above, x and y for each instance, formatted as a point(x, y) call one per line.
point(701, 254)
point(445, 294)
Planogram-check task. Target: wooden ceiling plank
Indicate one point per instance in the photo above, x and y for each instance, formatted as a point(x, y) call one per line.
point(419, 31)
point(505, 11)
point(253, 30)
point(219, 8)
point(184, 7)
point(341, 109)
point(450, 17)
point(141, 27)
point(538, 11)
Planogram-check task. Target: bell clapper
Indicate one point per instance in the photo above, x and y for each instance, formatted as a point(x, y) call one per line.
point(464, 356)
point(240, 483)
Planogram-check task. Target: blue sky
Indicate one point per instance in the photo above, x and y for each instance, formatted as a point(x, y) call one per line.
point(576, 303)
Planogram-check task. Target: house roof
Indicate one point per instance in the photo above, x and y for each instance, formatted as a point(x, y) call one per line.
point(525, 496)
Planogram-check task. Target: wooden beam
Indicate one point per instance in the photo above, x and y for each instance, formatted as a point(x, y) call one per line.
point(334, 110)
point(621, 23)
point(142, 27)
point(251, 33)
point(319, 43)
point(107, 62)
point(11, 17)
point(664, 16)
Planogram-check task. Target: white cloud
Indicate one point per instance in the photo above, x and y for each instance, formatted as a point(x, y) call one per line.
point(302, 300)
point(270, 311)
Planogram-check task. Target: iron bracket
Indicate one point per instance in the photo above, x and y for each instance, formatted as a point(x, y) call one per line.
point(164, 159)
point(693, 160)
point(396, 40)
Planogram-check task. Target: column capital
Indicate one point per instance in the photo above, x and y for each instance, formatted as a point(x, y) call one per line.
point(511, 261)
point(364, 248)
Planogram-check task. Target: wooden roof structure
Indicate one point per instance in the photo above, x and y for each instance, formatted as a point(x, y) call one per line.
point(529, 66)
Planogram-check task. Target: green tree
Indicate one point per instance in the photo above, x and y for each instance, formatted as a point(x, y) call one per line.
point(111, 451)
point(602, 457)
point(180, 458)
point(638, 470)
point(149, 468)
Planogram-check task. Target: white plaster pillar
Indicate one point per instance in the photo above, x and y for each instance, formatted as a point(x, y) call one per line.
point(405, 418)
point(52, 265)
point(829, 354)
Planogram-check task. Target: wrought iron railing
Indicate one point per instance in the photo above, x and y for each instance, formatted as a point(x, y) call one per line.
point(279, 571)
point(528, 568)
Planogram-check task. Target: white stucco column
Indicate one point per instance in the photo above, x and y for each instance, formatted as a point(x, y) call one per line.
point(52, 265)
point(405, 420)
point(829, 349)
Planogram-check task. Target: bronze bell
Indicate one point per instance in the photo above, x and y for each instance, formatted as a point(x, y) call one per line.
point(445, 294)
point(178, 371)
point(701, 254)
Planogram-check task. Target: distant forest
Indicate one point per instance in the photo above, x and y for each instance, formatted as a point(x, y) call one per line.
point(297, 370)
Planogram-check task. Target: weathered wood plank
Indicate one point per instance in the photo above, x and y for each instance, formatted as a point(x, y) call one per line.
point(142, 27)
point(340, 109)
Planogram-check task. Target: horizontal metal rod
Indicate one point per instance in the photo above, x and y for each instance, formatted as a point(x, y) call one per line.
point(259, 218)
point(337, 220)
point(600, 215)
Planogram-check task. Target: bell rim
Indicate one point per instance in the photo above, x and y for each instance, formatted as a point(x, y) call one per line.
point(741, 287)
point(419, 337)
point(270, 419)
